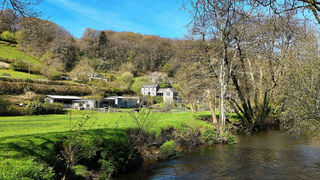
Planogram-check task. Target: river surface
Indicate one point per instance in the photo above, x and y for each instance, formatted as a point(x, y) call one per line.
point(263, 155)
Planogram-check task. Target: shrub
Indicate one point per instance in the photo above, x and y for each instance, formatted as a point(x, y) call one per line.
point(19, 65)
point(6, 35)
point(127, 77)
point(35, 108)
point(3, 105)
point(81, 171)
point(168, 149)
point(209, 136)
point(28, 80)
point(54, 75)
point(53, 108)
point(231, 139)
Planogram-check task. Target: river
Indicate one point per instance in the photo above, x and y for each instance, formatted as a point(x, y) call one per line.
point(269, 154)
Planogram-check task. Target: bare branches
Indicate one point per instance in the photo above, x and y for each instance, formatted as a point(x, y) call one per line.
point(26, 8)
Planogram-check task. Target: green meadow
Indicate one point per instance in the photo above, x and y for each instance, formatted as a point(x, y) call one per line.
point(22, 75)
point(27, 142)
point(13, 53)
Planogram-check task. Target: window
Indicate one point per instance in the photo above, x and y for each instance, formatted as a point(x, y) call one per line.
point(168, 93)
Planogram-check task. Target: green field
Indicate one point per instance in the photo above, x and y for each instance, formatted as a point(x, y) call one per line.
point(14, 53)
point(29, 125)
point(26, 142)
point(22, 75)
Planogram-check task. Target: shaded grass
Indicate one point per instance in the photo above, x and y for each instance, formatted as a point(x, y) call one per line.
point(22, 75)
point(14, 53)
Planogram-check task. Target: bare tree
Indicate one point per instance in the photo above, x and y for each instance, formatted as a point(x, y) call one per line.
point(25, 8)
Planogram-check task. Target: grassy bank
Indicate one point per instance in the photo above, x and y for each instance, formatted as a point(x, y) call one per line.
point(27, 142)
point(13, 53)
point(22, 75)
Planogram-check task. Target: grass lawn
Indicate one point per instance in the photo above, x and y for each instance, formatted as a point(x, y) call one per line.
point(14, 53)
point(26, 142)
point(29, 125)
point(22, 75)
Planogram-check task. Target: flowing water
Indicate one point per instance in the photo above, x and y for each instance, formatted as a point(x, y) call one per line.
point(263, 155)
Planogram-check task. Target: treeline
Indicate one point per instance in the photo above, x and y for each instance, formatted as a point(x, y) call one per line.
point(107, 50)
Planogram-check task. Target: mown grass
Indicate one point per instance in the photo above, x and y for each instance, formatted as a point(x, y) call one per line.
point(14, 53)
point(28, 125)
point(22, 75)
point(27, 142)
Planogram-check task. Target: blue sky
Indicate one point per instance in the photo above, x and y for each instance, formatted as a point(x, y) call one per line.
point(149, 17)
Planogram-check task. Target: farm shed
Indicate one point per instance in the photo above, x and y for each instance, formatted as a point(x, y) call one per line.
point(120, 101)
point(65, 100)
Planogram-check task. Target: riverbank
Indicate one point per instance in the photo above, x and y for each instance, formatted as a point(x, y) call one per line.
point(265, 154)
point(37, 146)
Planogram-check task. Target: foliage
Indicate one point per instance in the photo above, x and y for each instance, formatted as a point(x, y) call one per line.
point(6, 35)
point(53, 108)
point(127, 77)
point(3, 105)
point(136, 86)
point(54, 74)
point(36, 108)
point(209, 136)
point(168, 149)
point(231, 139)
point(19, 65)
point(168, 68)
point(77, 146)
point(80, 171)
point(28, 80)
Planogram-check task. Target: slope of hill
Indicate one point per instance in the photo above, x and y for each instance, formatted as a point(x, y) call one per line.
point(12, 52)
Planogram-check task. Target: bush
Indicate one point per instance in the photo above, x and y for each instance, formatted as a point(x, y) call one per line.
point(80, 171)
point(36, 108)
point(54, 75)
point(53, 108)
point(19, 65)
point(231, 139)
point(209, 136)
point(3, 105)
point(168, 149)
point(28, 80)
point(127, 77)
point(6, 35)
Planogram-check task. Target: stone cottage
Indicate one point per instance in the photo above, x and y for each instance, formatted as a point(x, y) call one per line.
point(150, 89)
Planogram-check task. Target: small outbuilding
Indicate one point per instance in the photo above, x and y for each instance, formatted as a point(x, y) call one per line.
point(65, 100)
point(120, 101)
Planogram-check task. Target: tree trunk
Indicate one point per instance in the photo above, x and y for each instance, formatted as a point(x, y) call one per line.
point(192, 107)
point(212, 110)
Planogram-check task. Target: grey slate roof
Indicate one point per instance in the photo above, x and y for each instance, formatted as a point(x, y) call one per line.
point(162, 90)
point(150, 85)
